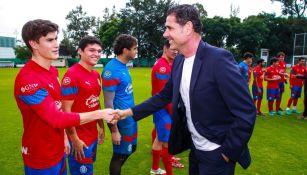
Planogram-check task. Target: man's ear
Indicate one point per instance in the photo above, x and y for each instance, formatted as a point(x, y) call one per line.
point(33, 44)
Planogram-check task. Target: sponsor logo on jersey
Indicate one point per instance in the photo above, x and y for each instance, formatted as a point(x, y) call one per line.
point(87, 82)
point(51, 86)
point(129, 89)
point(66, 81)
point(29, 87)
point(58, 104)
point(107, 74)
point(92, 101)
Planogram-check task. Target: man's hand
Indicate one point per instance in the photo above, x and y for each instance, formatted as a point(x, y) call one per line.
point(101, 136)
point(122, 114)
point(109, 115)
point(77, 149)
point(225, 158)
point(116, 137)
point(66, 145)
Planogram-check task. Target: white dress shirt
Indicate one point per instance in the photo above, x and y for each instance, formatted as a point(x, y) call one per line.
point(200, 142)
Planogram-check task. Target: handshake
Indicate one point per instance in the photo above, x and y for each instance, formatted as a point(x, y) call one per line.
point(113, 116)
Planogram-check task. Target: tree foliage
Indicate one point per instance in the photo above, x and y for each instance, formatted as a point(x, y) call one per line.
point(79, 25)
point(22, 52)
point(293, 7)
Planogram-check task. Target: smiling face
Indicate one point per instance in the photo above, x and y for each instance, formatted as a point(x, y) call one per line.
point(175, 33)
point(90, 55)
point(46, 47)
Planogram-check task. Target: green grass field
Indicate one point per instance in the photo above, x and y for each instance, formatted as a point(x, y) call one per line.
point(278, 145)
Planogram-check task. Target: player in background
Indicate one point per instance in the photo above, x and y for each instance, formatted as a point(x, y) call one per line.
point(245, 64)
point(159, 76)
point(118, 94)
point(296, 84)
point(282, 73)
point(257, 88)
point(271, 75)
point(80, 93)
point(38, 95)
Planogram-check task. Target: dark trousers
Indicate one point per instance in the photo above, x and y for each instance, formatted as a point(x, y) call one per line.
point(305, 101)
point(209, 163)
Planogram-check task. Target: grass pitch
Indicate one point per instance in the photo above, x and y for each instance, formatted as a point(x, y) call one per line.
point(278, 144)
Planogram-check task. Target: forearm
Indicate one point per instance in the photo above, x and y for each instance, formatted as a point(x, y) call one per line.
point(90, 116)
point(72, 133)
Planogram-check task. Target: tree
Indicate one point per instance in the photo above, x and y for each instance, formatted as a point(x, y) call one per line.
point(293, 7)
point(22, 52)
point(79, 25)
point(66, 46)
point(108, 30)
point(145, 20)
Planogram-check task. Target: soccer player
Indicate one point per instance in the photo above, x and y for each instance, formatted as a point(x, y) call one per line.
point(257, 88)
point(296, 84)
point(38, 95)
point(159, 76)
point(80, 93)
point(244, 65)
point(118, 94)
point(282, 72)
point(273, 92)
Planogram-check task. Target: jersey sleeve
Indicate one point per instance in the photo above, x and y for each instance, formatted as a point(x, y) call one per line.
point(161, 75)
point(110, 79)
point(69, 88)
point(33, 94)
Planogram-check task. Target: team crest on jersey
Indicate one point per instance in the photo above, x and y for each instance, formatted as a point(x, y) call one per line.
point(66, 81)
point(58, 104)
point(83, 169)
point(162, 69)
point(29, 87)
point(107, 74)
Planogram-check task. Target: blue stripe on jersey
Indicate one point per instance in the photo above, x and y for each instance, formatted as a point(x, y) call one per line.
point(36, 98)
point(69, 90)
point(162, 76)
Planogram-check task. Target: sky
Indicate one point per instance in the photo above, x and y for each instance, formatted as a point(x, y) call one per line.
point(15, 13)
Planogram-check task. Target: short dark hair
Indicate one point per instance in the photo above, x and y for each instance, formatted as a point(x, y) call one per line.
point(247, 55)
point(260, 61)
point(34, 30)
point(88, 40)
point(280, 53)
point(124, 41)
point(301, 58)
point(185, 13)
point(273, 60)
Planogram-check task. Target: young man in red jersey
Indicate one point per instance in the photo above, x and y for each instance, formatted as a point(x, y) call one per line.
point(257, 88)
point(159, 76)
point(38, 96)
point(273, 92)
point(296, 84)
point(282, 72)
point(80, 92)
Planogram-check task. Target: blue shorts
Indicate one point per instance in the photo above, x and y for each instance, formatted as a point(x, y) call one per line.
point(281, 87)
point(162, 122)
point(128, 139)
point(296, 91)
point(59, 168)
point(273, 94)
point(256, 94)
point(84, 166)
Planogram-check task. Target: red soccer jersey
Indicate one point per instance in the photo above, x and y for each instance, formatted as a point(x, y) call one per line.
point(250, 70)
point(84, 88)
point(282, 69)
point(161, 72)
point(271, 72)
point(297, 70)
point(258, 74)
point(37, 93)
